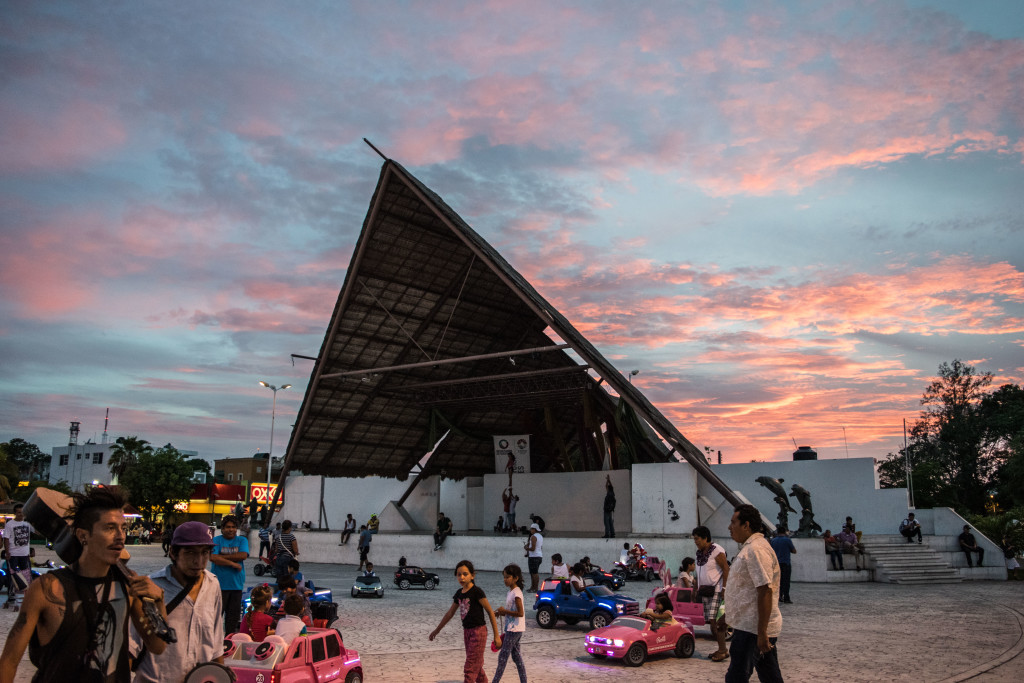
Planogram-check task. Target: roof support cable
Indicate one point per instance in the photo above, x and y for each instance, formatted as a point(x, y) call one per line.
point(458, 298)
point(362, 283)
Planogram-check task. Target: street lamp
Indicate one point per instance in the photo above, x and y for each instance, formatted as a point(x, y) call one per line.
point(270, 453)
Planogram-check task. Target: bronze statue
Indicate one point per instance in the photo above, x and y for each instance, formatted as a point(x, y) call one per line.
point(808, 527)
point(775, 486)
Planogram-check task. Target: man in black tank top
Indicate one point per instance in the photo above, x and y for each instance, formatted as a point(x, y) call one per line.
point(75, 620)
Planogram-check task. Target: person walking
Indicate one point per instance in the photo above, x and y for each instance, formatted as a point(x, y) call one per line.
point(712, 575)
point(17, 534)
point(783, 546)
point(194, 608)
point(515, 623)
point(609, 508)
point(230, 550)
point(264, 534)
point(470, 602)
point(752, 601)
point(534, 555)
point(365, 538)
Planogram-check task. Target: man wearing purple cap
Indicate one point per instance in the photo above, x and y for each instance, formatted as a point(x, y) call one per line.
point(194, 606)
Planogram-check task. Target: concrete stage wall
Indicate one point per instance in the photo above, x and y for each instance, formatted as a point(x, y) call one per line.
point(838, 488)
point(569, 502)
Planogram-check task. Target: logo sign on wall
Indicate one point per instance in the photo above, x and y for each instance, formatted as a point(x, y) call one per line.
point(512, 454)
point(259, 492)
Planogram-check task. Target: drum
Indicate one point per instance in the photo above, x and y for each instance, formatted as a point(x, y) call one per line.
point(210, 672)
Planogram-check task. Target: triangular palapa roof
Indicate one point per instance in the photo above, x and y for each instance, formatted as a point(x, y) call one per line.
point(433, 333)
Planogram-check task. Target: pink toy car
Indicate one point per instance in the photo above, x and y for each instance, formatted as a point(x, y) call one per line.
point(317, 657)
point(685, 605)
point(632, 639)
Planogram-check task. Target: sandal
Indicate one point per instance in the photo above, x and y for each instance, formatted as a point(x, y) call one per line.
point(718, 656)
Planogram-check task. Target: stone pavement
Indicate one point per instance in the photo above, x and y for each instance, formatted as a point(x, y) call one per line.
point(849, 632)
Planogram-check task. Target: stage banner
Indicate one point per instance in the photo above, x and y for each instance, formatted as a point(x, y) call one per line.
point(512, 454)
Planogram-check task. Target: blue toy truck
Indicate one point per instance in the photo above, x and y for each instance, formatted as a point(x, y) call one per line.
point(558, 600)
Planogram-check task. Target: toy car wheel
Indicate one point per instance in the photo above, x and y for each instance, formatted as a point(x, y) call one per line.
point(600, 619)
point(685, 646)
point(354, 676)
point(404, 584)
point(649, 575)
point(380, 594)
point(429, 584)
point(355, 593)
point(257, 569)
point(636, 655)
point(546, 617)
point(610, 585)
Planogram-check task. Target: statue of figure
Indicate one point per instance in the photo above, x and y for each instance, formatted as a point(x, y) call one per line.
point(808, 527)
point(775, 486)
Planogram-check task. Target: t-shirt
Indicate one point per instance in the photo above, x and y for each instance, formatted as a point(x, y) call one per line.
point(514, 624)
point(470, 609)
point(559, 571)
point(289, 627)
point(708, 571)
point(967, 538)
point(230, 579)
point(19, 534)
point(284, 543)
point(783, 547)
point(536, 552)
point(256, 624)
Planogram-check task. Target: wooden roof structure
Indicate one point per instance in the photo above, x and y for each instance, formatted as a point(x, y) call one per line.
point(434, 333)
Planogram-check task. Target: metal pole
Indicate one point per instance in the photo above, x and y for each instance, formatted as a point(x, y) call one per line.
point(270, 453)
point(906, 455)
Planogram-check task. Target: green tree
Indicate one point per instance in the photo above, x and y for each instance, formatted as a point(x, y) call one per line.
point(31, 462)
point(158, 481)
point(8, 472)
point(125, 454)
point(1003, 414)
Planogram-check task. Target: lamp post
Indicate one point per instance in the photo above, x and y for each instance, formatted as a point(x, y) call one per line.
point(270, 453)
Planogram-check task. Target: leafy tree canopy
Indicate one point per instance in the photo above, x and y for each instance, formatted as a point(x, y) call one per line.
point(967, 448)
point(158, 481)
point(125, 453)
point(29, 462)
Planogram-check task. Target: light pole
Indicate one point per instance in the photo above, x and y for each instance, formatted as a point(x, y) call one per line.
point(270, 453)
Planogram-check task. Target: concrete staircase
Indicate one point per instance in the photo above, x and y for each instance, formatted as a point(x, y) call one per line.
point(896, 561)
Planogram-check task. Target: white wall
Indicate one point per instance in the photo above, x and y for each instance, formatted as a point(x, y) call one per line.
point(838, 488)
point(568, 501)
point(654, 485)
point(360, 496)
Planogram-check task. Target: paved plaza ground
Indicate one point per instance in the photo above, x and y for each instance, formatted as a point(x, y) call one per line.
point(838, 632)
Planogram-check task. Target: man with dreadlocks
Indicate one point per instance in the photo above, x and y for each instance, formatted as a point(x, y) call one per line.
point(74, 620)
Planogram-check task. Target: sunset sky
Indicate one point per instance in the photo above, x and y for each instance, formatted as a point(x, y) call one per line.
point(785, 215)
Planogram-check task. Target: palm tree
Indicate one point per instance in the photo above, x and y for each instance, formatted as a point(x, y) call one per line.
point(125, 453)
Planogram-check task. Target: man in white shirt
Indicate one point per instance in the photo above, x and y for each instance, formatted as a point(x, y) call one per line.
point(752, 601)
point(17, 535)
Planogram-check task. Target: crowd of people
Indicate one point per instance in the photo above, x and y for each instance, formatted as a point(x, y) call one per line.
point(105, 635)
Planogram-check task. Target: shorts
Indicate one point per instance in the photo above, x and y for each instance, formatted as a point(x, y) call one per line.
point(711, 606)
point(534, 564)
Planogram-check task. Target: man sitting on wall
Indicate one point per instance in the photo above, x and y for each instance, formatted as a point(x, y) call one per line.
point(969, 545)
point(442, 531)
point(910, 527)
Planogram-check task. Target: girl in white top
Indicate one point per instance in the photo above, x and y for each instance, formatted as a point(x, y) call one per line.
point(559, 570)
point(515, 623)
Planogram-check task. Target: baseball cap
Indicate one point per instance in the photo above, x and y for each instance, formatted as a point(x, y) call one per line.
point(192, 533)
point(535, 526)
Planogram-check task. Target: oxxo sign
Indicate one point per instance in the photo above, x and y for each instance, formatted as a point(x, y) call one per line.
point(259, 492)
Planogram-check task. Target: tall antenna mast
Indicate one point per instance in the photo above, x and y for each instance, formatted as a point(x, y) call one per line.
point(106, 421)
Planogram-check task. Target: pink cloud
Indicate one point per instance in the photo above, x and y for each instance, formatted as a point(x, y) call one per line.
point(67, 136)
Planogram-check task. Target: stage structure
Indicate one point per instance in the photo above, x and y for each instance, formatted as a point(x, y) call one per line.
point(435, 335)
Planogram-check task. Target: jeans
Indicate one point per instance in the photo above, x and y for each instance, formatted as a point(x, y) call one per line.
point(15, 563)
point(785, 571)
point(281, 564)
point(510, 521)
point(266, 545)
point(744, 659)
point(609, 524)
point(835, 555)
point(232, 601)
point(981, 555)
point(439, 537)
point(910, 533)
point(510, 647)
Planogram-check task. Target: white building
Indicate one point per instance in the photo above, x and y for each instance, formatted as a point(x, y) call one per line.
point(86, 464)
